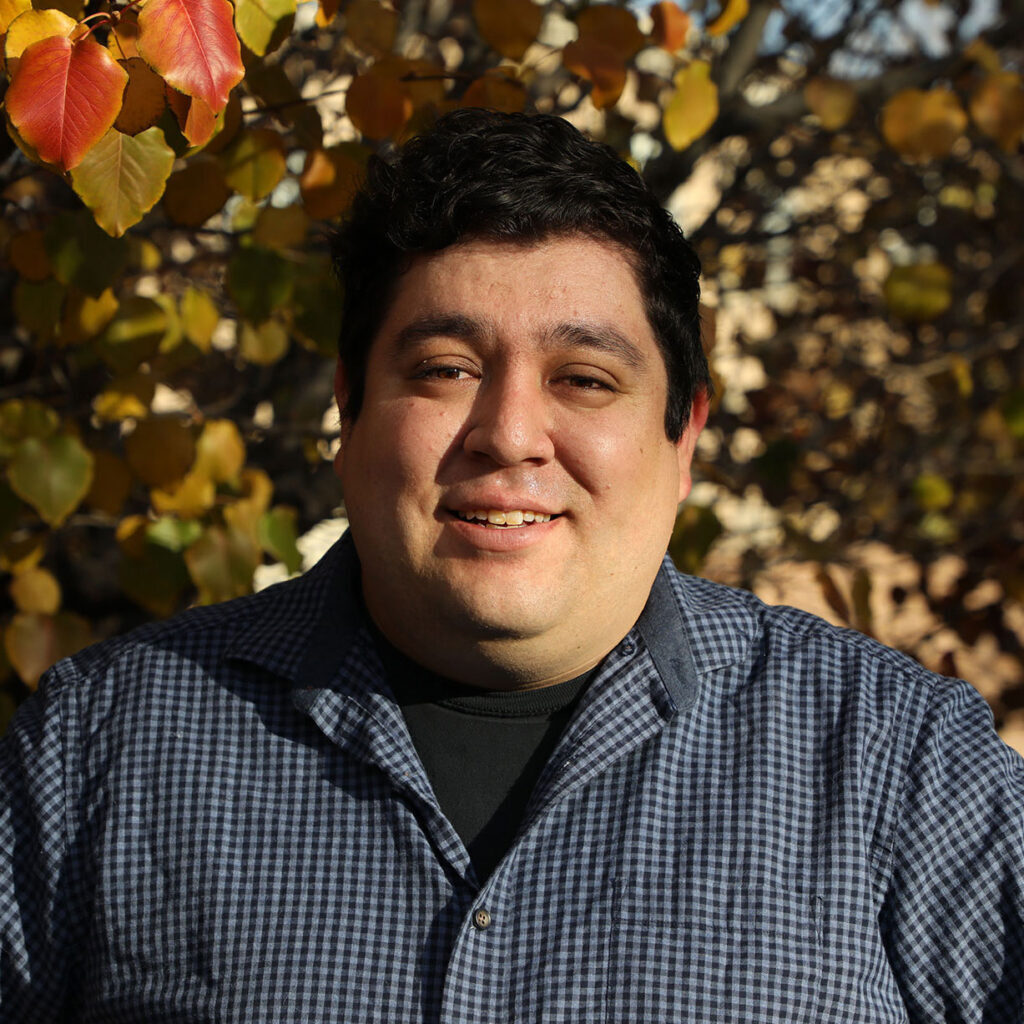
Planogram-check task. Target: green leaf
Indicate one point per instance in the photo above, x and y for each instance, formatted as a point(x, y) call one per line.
point(37, 306)
point(156, 579)
point(259, 281)
point(34, 642)
point(52, 474)
point(121, 178)
point(221, 564)
point(134, 335)
point(173, 533)
point(255, 163)
point(263, 24)
point(83, 254)
point(695, 531)
point(21, 418)
point(278, 535)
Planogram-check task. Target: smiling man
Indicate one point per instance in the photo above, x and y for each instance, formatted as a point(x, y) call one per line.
point(494, 759)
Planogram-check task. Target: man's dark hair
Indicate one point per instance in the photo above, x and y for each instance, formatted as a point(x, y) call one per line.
point(515, 178)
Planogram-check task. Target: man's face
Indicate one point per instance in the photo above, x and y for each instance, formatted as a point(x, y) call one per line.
point(509, 484)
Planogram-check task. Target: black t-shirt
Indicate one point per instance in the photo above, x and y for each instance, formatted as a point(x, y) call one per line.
point(483, 750)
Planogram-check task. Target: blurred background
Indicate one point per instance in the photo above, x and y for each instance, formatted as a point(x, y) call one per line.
point(850, 173)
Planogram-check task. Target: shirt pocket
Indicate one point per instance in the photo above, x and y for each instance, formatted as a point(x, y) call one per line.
point(716, 955)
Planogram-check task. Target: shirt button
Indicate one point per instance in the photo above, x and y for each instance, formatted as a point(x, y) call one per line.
point(481, 919)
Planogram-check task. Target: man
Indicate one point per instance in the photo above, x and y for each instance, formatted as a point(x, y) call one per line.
point(493, 759)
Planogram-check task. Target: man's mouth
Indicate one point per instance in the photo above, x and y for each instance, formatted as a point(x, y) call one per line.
point(505, 518)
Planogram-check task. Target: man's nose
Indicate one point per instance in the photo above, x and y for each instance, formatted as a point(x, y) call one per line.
point(510, 422)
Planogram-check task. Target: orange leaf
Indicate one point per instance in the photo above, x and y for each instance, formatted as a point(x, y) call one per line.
point(732, 14)
point(195, 117)
point(370, 26)
point(377, 104)
point(599, 64)
point(614, 27)
point(192, 43)
point(671, 25)
point(329, 180)
point(64, 97)
point(997, 107)
point(495, 92)
point(123, 41)
point(832, 101)
point(923, 126)
point(510, 26)
point(144, 99)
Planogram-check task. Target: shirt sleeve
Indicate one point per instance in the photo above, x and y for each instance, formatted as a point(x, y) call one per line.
point(953, 918)
point(32, 845)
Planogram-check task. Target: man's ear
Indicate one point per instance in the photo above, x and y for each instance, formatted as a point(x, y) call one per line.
point(686, 444)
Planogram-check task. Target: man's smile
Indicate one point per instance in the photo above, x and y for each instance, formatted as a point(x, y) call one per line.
point(504, 517)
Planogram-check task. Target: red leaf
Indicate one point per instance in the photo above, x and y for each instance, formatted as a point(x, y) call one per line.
point(64, 97)
point(192, 43)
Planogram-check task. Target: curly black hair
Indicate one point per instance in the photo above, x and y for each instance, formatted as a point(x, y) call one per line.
point(518, 178)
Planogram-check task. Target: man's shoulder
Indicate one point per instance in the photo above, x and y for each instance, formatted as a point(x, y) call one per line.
point(269, 629)
point(732, 626)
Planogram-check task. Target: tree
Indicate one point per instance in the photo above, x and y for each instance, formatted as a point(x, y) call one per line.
point(851, 177)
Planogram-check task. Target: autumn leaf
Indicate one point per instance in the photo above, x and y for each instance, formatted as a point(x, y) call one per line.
point(922, 125)
point(601, 65)
point(64, 97)
point(52, 474)
point(378, 104)
point(36, 591)
point(32, 27)
point(160, 450)
point(693, 107)
point(920, 292)
point(10, 9)
point(509, 26)
point(997, 108)
point(196, 192)
point(144, 99)
point(831, 101)
point(195, 117)
point(671, 25)
point(263, 24)
point(192, 43)
point(370, 26)
point(255, 163)
point(611, 26)
point(330, 179)
point(496, 91)
point(34, 642)
point(122, 177)
point(732, 14)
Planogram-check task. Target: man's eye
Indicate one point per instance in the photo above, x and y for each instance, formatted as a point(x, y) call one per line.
point(442, 373)
point(587, 383)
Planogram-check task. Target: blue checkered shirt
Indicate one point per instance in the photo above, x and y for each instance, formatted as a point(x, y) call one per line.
point(752, 816)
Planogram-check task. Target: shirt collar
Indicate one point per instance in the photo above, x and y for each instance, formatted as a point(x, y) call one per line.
point(309, 625)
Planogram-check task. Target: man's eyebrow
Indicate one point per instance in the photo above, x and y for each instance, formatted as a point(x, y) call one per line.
point(601, 337)
point(440, 325)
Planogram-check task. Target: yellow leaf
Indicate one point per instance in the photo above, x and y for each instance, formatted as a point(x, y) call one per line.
point(127, 397)
point(130, 534)
point(255, 163)
point(34, 642)
point(933, 492)
point(997, 107)
point(264, 24)
point(10, 9)
point(325, 12)
point(920, 292)
point(831, 101)
point(17, 556)
point(160, 450)
point(111, 483)
point(732, 14)
point(36, 591)
point(370, 26)
point(220, 451)
point(599, 64)
point(189, 498)
point(693, 108)
point(264, 344)
point(613, 27)
point(280, 227)
point(29, 28)
point(85, 317)
point(984, 55)
point(199, 317)
point(923, 126)
point(509, 26)
point(52, 474)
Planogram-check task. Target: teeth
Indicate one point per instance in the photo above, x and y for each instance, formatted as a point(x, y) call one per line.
point(499, 517)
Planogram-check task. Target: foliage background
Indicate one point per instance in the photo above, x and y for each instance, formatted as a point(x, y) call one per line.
point(850, 173)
